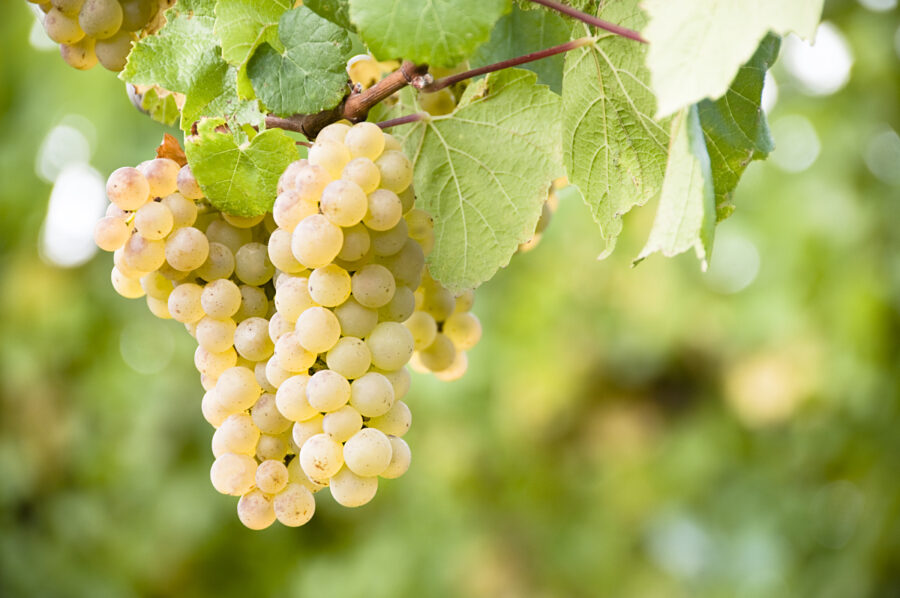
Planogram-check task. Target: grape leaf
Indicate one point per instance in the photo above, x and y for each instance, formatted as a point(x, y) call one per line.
point(161, 107)
point(697, 46)
point(336, 11)
point(242, 26)
point(185, 57)
point(239, 179)
point(436, 32)
point(310, 75)
point(615, 152)
point(735, 126)
point(483, 173)
point(524, 31)
point(686, 216)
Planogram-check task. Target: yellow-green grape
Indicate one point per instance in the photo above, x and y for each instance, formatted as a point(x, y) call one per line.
point(362, 172)
point(368, 452)
point(316, 241)
point(421, 224)
point(255, 510)
point(335, 132)
point(291, 399)
point(400, 379)
point(310, 181)
point(290, 208)
point(355, 320)
point(230, 236)
point(463, 329)
point(392, 143)
point(456, 369)
point(349, 357)
point(464, 301)
point(271, 447)
point(330, 155)
point(213, 412)
point(254, 303)
point(129, 288)
point(439, 355)
point(215, 335)
point(395, 422)
point(69, 7)
point(214, 365)
point(423, 328)
point(153, 220)
point(100, 18)
point(372, 394)
point(343, 202)
point(128, 188)
point(111, 232)
point(112, 52)
point(237, 388)
point(251, 339)
point(407, 199)
point(185, 302)
point(144, 254)
point(233, 474)
point(365, 140)
point(400, 307)
point(318, 329)
point(437, 103)
point(351, 490)
point(237, 434)
point(329, 285)
point(306, 429)
point(291, 355)
point(122, 265)
point(357, 243)
point(280, 254)
point(436, 300)
point(292, 297)
point(186, 249)
point(384, 210)
point(186, 182)
point(391, 345)
point(259, 370)
point(294, 505)
point(159, 308)
point(400, 458)
point(62, 28)
point(220, 298)
point(321, 457)
point(252, 265)
point(396, 171)
point(271, 476)
point(184, 210)
point(157, 286)
point(407, 264)
point(390, 242)
point(275, 374)
point(266, 416)
point(327, 391)
point(342, 423)
point(137, 13)
point(363, 70)
point(243, 221)
point(287, 181)
point(373, 286)
point(278, 327)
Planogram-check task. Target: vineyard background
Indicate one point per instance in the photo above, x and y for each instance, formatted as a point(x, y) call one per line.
point(647, 432)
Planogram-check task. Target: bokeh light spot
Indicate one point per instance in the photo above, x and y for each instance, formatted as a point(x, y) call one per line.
point(77, 201)
point(882, 156)
point(734, 264)
point(796, 143)
point(146, 346)
point(821, 68)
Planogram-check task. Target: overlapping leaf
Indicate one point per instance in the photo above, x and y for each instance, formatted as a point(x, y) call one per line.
point(436, 32)
point(615, 152)
point(336, 11)
point(242, 26)
point(239, 179)
point(483, 173)
point(310, 74)
point(697, 46)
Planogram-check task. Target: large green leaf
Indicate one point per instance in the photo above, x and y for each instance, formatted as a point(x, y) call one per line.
point(310, 75)
point(435, 32)
point(239, 179)
point(735, 126)
point(697, 46)
point(185, 57)
point(686, 216)
point(483, 173)
point(242, 26)
point(524, 31)
point(615, 152)
point(336, 11)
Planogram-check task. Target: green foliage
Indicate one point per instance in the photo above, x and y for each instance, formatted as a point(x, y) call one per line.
point(161, 107)
point(239, 178)
point(524, 31)
point(242, 26)
point(484, 173)
point(697, 47)
point(615, 152)
point(435, 32)
point(310, 75)
point(336, 11)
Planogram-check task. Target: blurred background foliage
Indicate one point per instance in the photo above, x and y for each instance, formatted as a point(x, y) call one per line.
point(648, 432)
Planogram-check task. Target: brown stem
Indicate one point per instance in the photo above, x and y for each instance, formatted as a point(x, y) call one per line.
point(591, 20)
point(448, 81)
point(402, 120)
point(356, 107)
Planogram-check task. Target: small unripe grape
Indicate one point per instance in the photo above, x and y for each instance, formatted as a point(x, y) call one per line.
point(327, 391)
point(100, 18)
point(80, 55)
point(185, 302)
point(219, 263)
point(316, 241)
point(396, 171)
point(255, 510)
point(128, 188)
point(400, 458)
point(233, 474)
point(187, 184)
point(372, 395)
point(351, 490)
point(162, 174)
point(153, 220)
point(110, 233)
point(368, 452)
point(295, 505)
point(62, 28)
point(186, 249)
point(384, 210)
point(343, 202)
point(318, 329)
point(365, 140)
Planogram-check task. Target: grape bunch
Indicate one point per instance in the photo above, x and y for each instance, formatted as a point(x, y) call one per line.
point(92, 31)
point(301, 315)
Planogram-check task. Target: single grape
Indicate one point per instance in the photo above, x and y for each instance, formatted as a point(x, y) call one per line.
point(395, 422)
point(291, 399)
point(372, 394)
point(237, 434)
point(304, 430)
point(110, 233)
point(292, 298)
point(251, 339)
point(439, 355)
point(362, 172)
point(291, 355)
point(100, 18)
point(318, 329)
point(255, 510)
point(162, 175)
point(329, 285)
point(342, 423)
point(185, 302)
point(349, 357)
point(266, 416)
point(254, 303)
point(351, 490)
point(316, 241)
point(220, 298)
point(215, 335)
point(184, 210)
point(113, 52)
point(153, 220)
point(137, 13)
point(463, 329)
point(129, 288)
point(128, 188)
point(357, 243)
point(391, 345)
point(373, 286)
point(219, 263)
point(400, 458)
point(252, 265)
point(230, 236)
point(294, 505)
point(400, 307)
point(62, 28)
point(237, 388)
point(330, 155)
point(271, 476)
point(365, 140)
point(233, 474)
point(144, 254)
point(396, 171)
point(355, 320)
point(384, 210)
point(321, 457)
point(327, 391)
point(186, 249)
point(186, 182)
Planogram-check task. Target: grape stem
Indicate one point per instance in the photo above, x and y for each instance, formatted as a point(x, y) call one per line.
point(402, 120)
point(356, 107)
point(591, 20)
point(497, 66)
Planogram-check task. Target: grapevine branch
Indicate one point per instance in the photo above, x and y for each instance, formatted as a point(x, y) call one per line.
point(591, 20)
point(403, 120)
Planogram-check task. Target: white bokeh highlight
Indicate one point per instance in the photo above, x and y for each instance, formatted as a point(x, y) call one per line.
point(77, 201)
point(797, 144)
point(821, 68)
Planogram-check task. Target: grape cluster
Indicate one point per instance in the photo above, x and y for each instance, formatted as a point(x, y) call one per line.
point(302, 316)
point(92, 31)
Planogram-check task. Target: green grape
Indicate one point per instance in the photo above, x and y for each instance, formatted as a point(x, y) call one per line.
point(327, 391)
point(162, 175)
point(343, 202)
point(231, 237)
point(237, 388)
point(252, 265)
point(373, 286)
point(423, 328)
point(137, 13)
point(68, 7)
point(215, 335)
point(318, 329)
point(331, 156)
point(368, 452)
point(144, 254)
point(362, 172)
point(254, 303)
point(351, 490)
point(342, 423)
point(384, 210)
point(233, 474)
point(251, 339)
point(291, 355)
point(355, 320)
point(400, 458)
point(237, 434)
point(113, 51)
point(128, 188)
point(62, 28)
point(329, 285)
point(349, 357)
point(391, 345)
point(266, 416)
point(372, 394)
point(184, 210)
point(396, 171)
point(357, 243)
point(365, 140)
point(186, 302)
point(291, 399)
point(395, 422)
point(186, 183)
point(154, 220)
point(100, 18)
point(304, 430)
point(463, 329)
point(316, 241)
point(157, 286)
point(186, 249)
point(219, 263)
point(439, 355)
